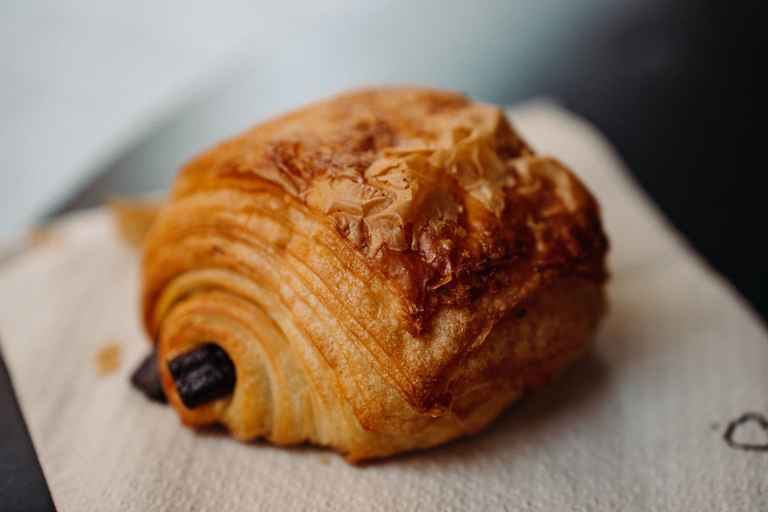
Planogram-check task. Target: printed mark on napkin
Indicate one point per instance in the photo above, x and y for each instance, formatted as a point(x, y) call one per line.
point(107, 358)
point(748, 432)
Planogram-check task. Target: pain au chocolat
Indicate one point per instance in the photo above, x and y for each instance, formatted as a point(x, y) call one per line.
point(380, 272)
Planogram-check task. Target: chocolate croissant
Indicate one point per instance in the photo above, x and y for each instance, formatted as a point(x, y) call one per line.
point(380, 272)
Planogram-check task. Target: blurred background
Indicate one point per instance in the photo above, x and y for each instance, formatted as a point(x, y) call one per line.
point(102, 95)
point(676, 85)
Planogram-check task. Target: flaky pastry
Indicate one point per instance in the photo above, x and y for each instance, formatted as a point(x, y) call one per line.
point(383, 271)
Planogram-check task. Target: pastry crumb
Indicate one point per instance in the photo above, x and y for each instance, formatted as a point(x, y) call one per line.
point(41, 235)
point(325, 460)
point(107, 358)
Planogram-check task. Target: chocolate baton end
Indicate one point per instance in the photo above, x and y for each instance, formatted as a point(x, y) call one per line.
point(202, 375)
point(146, 378)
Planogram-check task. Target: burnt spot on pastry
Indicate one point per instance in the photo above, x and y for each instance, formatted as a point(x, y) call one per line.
point(202, 375)
point(146, 378)
point(740, 442)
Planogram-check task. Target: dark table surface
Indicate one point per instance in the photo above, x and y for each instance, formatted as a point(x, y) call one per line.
point(678, 87)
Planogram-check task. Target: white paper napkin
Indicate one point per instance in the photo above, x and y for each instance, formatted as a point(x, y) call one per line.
point(638, 424)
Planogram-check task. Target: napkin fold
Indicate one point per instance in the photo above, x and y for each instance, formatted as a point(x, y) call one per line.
point(648, 420)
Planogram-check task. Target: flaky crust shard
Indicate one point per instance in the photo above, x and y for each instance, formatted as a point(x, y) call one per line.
point(387, 270)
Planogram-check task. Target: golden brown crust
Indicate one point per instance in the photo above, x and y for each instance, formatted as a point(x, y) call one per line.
point(392, 238)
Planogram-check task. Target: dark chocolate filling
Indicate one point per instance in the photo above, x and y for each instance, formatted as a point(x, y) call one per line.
point(146, 378)
point(202, 375)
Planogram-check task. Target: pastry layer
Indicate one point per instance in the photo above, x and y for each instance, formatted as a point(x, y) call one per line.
point(387, 270)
